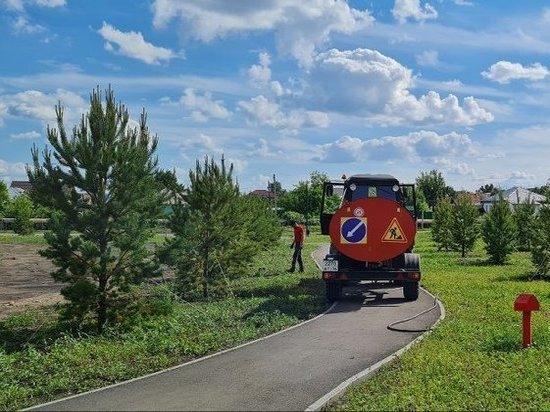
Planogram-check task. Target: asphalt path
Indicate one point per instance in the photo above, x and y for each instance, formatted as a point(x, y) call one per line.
point(287, 371)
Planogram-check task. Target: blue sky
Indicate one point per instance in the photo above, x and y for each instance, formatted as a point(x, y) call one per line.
point(290, 87)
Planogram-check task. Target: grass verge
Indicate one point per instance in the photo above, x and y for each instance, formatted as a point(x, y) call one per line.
point(473, 360)
point(37, 238)
point(39, 362)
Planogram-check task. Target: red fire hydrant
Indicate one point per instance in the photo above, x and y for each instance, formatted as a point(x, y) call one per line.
point(526, 303)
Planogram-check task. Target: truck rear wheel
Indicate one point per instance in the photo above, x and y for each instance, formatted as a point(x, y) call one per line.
point(410, 290)
point(333, 291)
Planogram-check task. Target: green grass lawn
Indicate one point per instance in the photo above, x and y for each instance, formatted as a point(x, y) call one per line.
point(37, 238)
point(38, 362)
point(473, 360)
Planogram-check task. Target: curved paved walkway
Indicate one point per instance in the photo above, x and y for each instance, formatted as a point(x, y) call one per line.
point(288, 371)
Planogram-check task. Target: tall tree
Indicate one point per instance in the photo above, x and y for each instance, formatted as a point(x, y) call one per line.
point(540, 248)
point(101, 181)
point(442, 225)
point(433, 186)
point(465, 226)
point(499, 231)
point(306, 196)
point(524, 216)
point(488, 188)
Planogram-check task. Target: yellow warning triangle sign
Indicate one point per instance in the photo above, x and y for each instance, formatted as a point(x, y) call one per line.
point(394, 233)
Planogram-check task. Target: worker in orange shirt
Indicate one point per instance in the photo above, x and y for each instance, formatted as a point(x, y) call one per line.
point(297, 244)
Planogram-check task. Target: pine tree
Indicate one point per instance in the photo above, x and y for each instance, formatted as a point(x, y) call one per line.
point(102, 184)
point(540, 245)
point(499, 231)
point(217, 231)
point(465, 227)
point(524, 216)
point(442, 225)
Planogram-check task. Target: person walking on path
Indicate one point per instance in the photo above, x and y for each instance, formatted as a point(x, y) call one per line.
point(297, 244)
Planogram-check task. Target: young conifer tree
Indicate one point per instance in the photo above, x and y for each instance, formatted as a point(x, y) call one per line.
point(203, 228)
point(442, 224)
point(465, 227)
point(524, 217)
point(102, 183)
point(499, 231)
point(540, 246)
point(217, 231)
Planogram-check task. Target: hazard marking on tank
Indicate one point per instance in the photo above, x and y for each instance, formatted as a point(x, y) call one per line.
point(394, 233)
point(353, 230)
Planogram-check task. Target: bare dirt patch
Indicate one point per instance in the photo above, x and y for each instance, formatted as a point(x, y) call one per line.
point(25, 279)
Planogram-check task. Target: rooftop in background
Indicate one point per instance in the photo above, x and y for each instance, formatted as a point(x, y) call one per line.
point(14, 192)
point(517, 195)
point(266, 194)
point(21, 184)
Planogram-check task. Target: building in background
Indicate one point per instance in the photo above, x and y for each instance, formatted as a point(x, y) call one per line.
point(515, 196)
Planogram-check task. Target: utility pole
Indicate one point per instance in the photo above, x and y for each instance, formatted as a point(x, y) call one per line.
point(274, 188)
point(307, 208)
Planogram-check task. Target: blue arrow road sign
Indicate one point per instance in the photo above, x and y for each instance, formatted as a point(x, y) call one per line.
point(354, 230)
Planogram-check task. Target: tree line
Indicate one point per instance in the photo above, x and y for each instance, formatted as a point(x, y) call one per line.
point(504, 229)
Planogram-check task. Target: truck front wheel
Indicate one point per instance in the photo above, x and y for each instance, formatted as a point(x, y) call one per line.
point(410, 290)
point(333, 291)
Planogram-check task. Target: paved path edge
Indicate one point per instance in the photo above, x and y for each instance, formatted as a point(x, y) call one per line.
point(371, 370)
point(183, 364)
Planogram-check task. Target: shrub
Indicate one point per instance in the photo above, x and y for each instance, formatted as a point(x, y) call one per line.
point(22, 210)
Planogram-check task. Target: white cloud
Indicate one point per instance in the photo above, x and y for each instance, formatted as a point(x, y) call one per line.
point(132, 44)
point(33, 104)
point(32, 135)
point(454, 167)
point(19, 5)
point(504, 71)
point(22, 25)
point(463, 3)
point(277, 88)
point(261, 149)
point(12, 170)
point(260, 74)
point(427, 58)
point(300, 27)
point(412, 9)
point(203, 107)
point(50, 3)
point(365, 82)
point(264, 112)
point(422, 145)
point(204, 143)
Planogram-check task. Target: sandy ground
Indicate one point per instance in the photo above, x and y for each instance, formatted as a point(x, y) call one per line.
point(25, 279)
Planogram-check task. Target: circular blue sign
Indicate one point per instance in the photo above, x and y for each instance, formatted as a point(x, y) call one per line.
point(354, 230)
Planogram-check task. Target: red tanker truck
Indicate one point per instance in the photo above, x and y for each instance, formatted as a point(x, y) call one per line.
point(371, 220)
